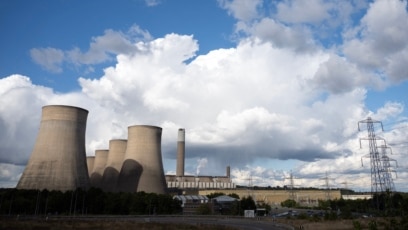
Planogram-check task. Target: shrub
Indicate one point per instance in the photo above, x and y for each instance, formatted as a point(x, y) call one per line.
point(357, 225)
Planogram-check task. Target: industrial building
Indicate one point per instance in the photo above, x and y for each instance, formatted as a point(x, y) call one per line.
point(58, 159)
point(58, 162)
point(274, 198)
point(188, 182)
point(200, 182)
point(191, 203)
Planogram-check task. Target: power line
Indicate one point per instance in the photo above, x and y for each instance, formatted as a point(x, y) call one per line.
point(396, 122)
point(399, 143)
point(397, 128)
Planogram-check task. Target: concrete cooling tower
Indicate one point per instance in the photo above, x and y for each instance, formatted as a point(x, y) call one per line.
point(101, 157)
point(117, 149)
point(90, 163)
point(142, 168)
point(180, 152)
point(58, 161)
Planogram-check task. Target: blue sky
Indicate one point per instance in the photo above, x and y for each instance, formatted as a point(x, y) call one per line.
point(68, 24)
point(267, 87)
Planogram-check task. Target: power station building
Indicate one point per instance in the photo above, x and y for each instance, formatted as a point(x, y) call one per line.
point(199, 182)
point(58, 159)
point(185, 182)
point(58, 162)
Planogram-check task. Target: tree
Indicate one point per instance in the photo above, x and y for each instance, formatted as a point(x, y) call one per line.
point(93, 201)
point(215, 194)
point(138, 205)
point(234, 195)
point(235, 208)
point(204, 209)
point(267, 207)
point(289, 203)
point(247, 203)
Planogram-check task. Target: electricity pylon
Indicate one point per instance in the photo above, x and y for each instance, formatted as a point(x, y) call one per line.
point(327, 186)
point(292, 195)
point(387, 169)
point(250, 187)
point(381, 179)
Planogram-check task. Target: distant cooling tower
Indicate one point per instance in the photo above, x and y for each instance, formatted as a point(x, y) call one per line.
point(101, 157)
point(58, 161)
point(117, 149)
point(142, 168)
point(90, 163)
point(180, 152)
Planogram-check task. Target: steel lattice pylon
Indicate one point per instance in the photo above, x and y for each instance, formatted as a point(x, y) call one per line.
point(381, 178)
point(292, 195)
point(327, 186)
point(387, 169)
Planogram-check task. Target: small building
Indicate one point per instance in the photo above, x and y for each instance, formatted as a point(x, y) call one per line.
point(191, 203)
point(223, 204)
point(357, 197)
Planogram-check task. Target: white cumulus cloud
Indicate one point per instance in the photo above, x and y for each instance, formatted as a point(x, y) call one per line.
point(277, 95)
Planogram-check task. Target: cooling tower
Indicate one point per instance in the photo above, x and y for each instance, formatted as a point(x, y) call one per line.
point(117, 149)
point(101, 156)
point(58, 161)
point(180, 152)
point(90, 163)
point(142, 168)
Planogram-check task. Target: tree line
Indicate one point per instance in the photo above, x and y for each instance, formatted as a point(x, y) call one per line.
point(383, 204)
point(85, 202)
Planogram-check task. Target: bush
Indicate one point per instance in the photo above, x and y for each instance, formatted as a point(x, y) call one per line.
point(302, 216)
point(372, 225)
point(289, 203)
point(357, 225)
point(204, 209)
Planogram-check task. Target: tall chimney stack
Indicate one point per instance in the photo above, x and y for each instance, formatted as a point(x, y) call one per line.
point(181, 148)
point(228, 171)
